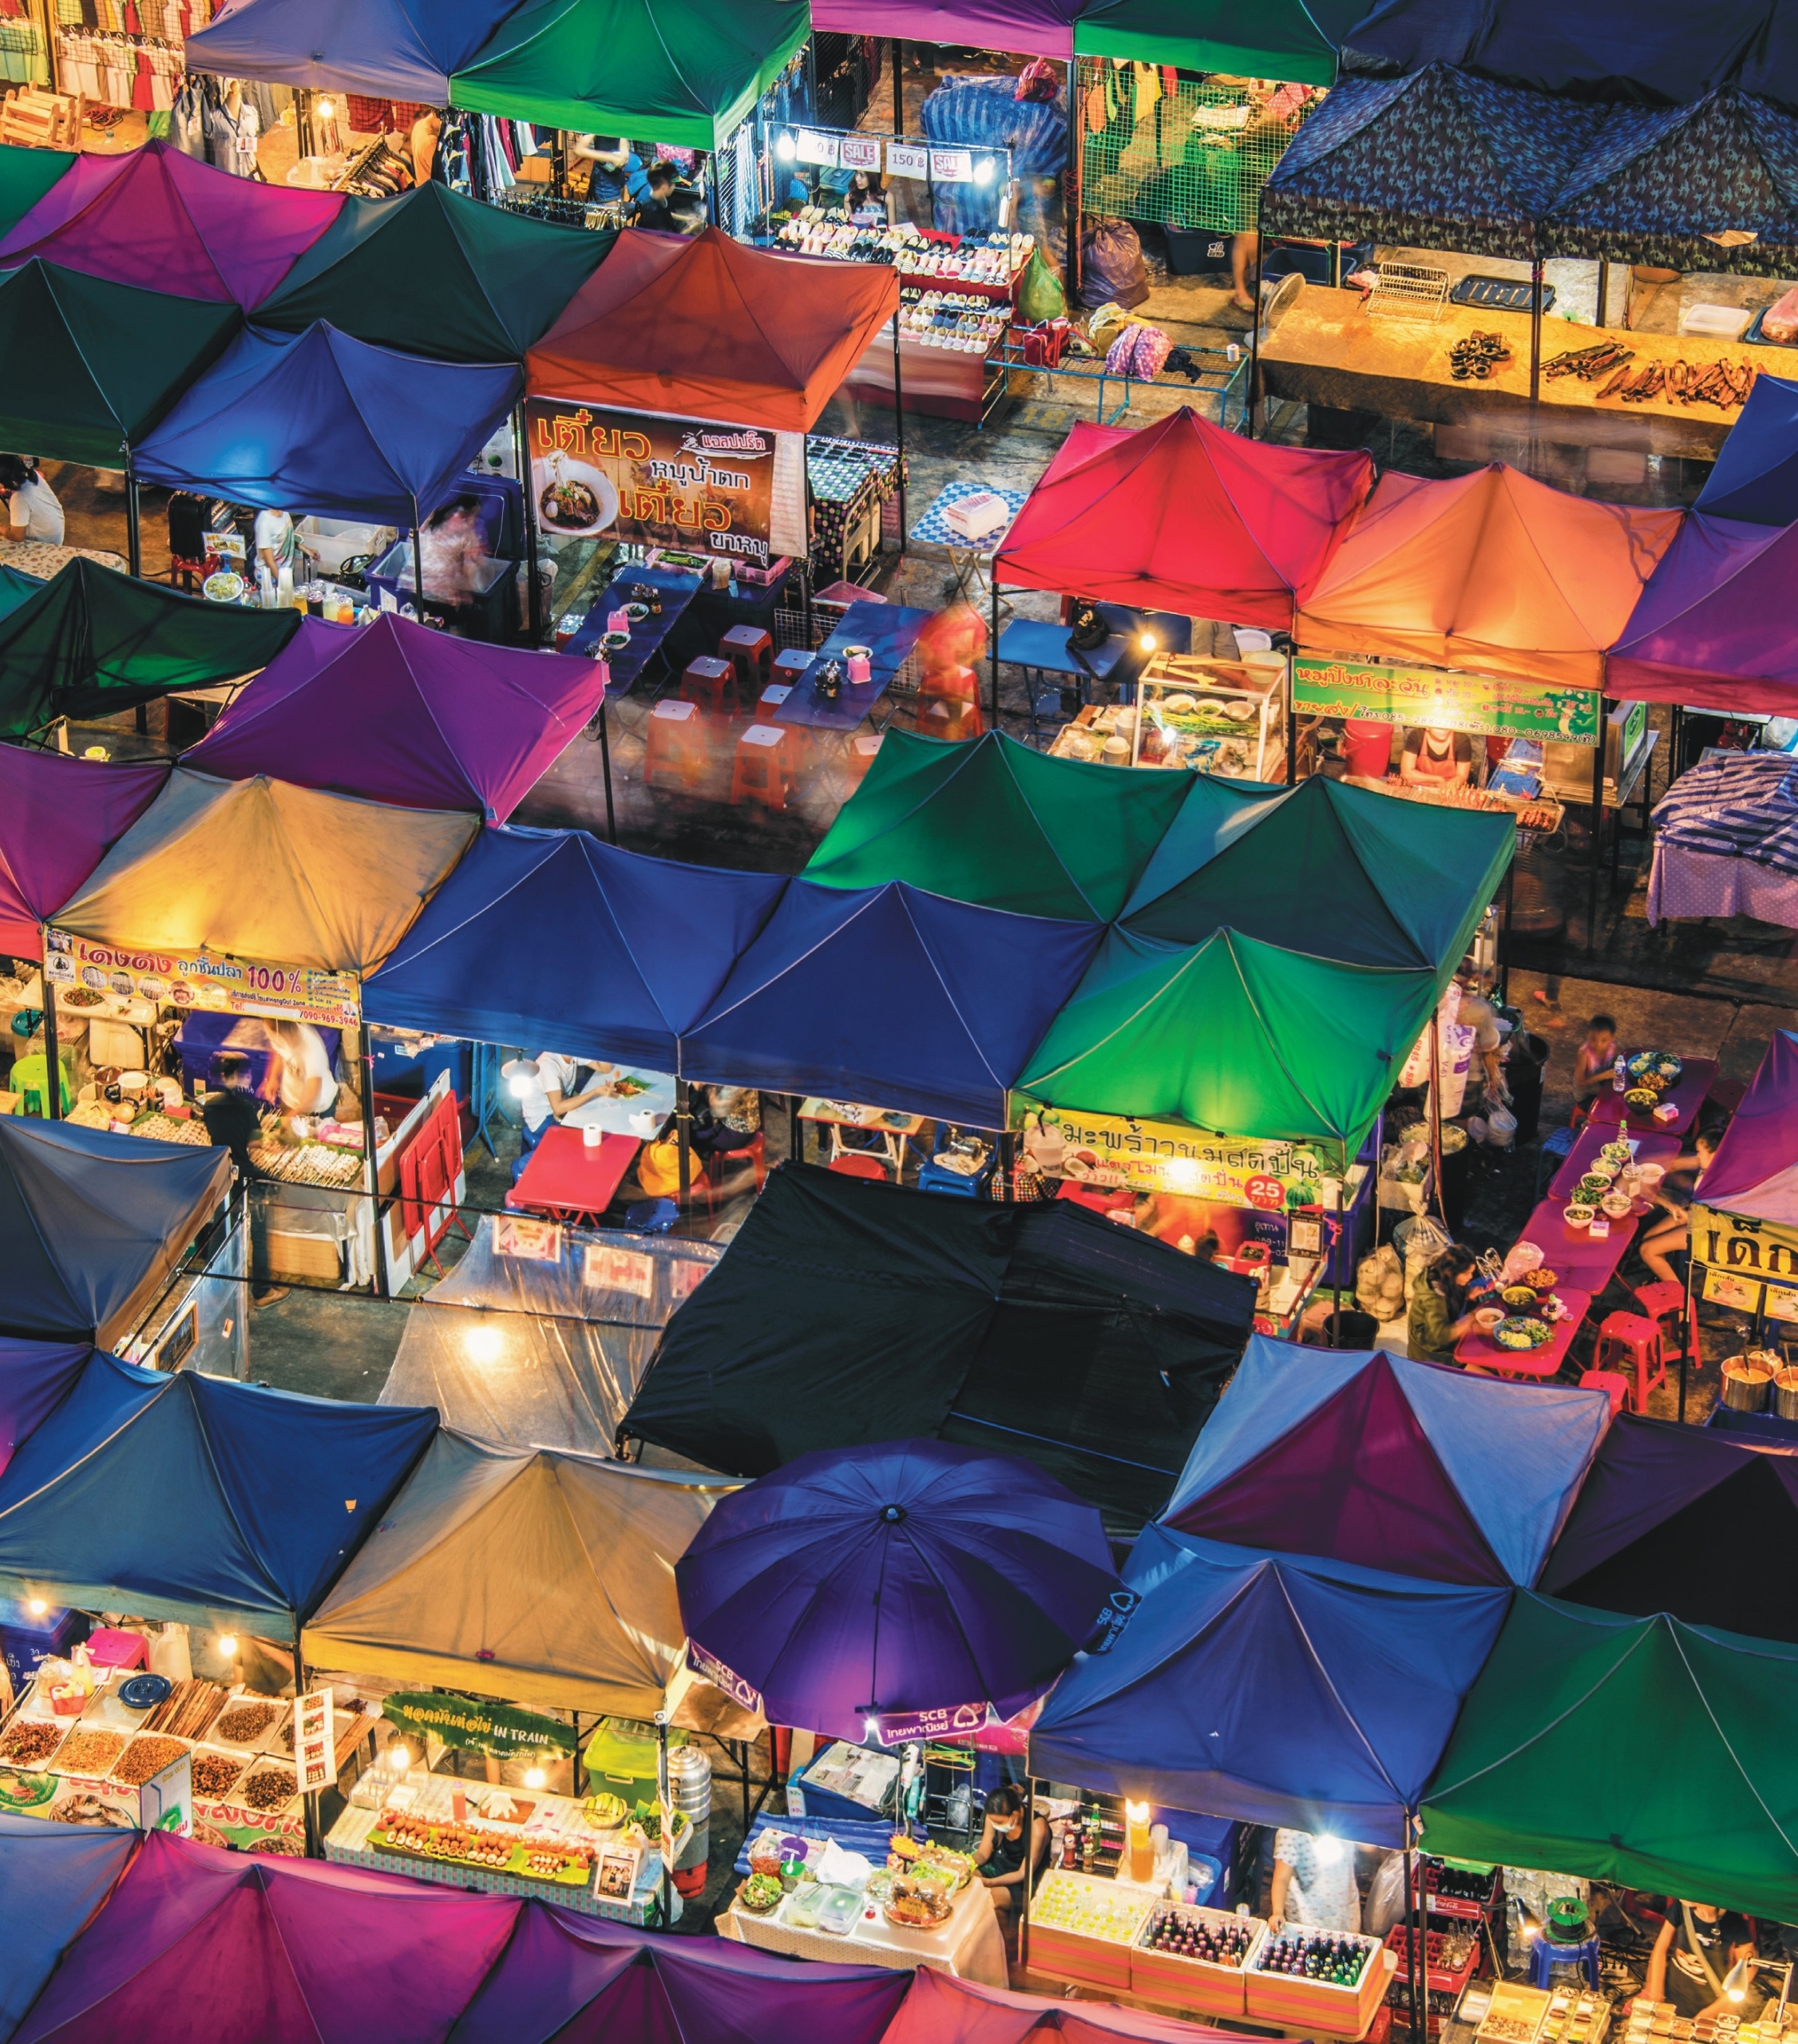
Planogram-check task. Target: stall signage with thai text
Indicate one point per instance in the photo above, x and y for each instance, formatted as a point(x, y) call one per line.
point(86, 974)
point(1165, 1156)
point(637, 477)
point(1480, 704)
point(1751, 1248)
point(480, 1728)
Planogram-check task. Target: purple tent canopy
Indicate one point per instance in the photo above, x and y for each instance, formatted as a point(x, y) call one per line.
point(395, 712)
point(1710, 626)
point(1021, 28)
point(406, 49)
point(286, 1951)
point(159, 220)
point(1755, 1171)
point(618, 1982)
point(33, 1376)
point(883, 1582)
point(59, 817)
point(52, 1877)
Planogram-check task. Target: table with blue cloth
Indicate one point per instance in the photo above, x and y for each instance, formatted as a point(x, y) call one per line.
point(649, 635)
point(890, 632)
point(1040, 647)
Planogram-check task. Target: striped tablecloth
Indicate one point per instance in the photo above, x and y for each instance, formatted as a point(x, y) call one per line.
point(1726, 841)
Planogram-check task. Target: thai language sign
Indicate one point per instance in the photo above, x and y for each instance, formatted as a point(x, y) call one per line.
point(1165, 1156)
point(1477, 703)
point(86, 974)
point(480, 1728)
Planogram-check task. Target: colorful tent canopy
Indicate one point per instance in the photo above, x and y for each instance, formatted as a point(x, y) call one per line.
point(87, 366)
point(939, 2008)
point(686, 74)
point(92, 1224)
point(15, 587)
point(440, 722)
point(1388, 1464)
point(405, 49)
point(163, 220)
point(91, 641)
point(290, 1951)
point(1023, 28)
point(1664, 1506)
point(1272, 1688)
point(844, 1313)
point(1291, 39)
point(1709, 627)
point(58, 819)
point(85, 1504)
point(564, 1976)
point(998, 823)
point(1549, 1766)
point(323, 423)
point(1755, 1171)
point(338, 881)
point(1492, 571)
point(1343, 872)
point(1231, 1035)
point(890, 995)
point(26, 176)
point(53, 1878)
point(433, 273)
point(34, 1376)
point(707, 328)
point(1181, 516)
point(1658, 185)
point(529, 1573)
point(1437, 158)
point(553, 939)
point(1755, 475)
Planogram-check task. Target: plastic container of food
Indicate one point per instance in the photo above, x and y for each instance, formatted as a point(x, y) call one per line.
point(838, 1912)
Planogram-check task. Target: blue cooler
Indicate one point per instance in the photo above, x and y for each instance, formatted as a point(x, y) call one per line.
point(26, 1638)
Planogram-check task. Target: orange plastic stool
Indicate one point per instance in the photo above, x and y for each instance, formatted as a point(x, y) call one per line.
point(1661, 1302)
point(861, 750)
point(750, 652)
point(771, 699)
point(711, 683)
point(759, 771)
point(852, 1165)
point(677, 745)
point(1615, 1388)
point(950, 717)
point(1627, 1340)
point(789, 668)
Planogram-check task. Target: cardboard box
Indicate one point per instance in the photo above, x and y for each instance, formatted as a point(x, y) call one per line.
point(1319, 2006)
point(1197, 1984)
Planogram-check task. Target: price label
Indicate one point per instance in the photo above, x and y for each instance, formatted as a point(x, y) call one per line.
point(860, 152)
point(1266, 1193)
point(907, 159)
point(952, 166)
point(815, 148)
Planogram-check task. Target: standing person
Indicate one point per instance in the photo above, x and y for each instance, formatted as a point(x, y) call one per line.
point(277, 544)
point(1000, 1856)
point(34, 510)
point(1697, 1945)
point(233, 1119)
point(1314, 1882)
point(615, 166)
point(654, 209)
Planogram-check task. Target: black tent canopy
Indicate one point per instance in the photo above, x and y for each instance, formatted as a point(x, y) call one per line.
point(846, 1313)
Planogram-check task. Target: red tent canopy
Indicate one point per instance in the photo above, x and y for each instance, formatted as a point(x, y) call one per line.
point(1183, 516)
point(707, 328)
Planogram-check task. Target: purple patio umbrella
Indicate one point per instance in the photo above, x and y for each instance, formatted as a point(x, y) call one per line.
point(891, 1582)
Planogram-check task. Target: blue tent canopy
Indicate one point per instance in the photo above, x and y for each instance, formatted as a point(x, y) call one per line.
point(551, 938)
point(319, 423)
point(33, 1376)
point(53, 1878)
point(891, 996)
point(404, 49)
point(1270, 1688)
point(274, 1491)
point(92, 1223)
point(1755, 473)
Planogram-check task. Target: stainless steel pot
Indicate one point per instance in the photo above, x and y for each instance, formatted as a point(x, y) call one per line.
point(1785, 1394)
point(1746, 1382)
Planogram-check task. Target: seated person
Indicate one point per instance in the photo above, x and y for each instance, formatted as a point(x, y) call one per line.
point(1665, 1238)
point(1442, 1303)
point(1433, 755)
point(999, 1855)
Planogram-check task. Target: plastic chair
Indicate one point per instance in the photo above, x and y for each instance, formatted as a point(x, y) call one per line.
point(951, 717)
point(860, 756)
point(1615, 1388)
point(676, 749)
point(750, 652)
point(1625, 1340)
point(1661, 1302)
point(760, 772)
point(1556, 1147)
point(653, 1217)
point(853, 1165)
point(771, 699)
point(712, 684)
point(1544, 1955)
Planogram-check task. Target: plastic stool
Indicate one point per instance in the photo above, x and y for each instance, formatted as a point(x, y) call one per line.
point(771, 699)
point(677, 745)
point(750, 652)
point(1543, 1955)
point(759, 771)
point(951, 717)
point(1628, 1340)
point(1661, 1302)
point(861, 750)
point(854, 1166)
point(711, 683)
point(1615, 1388)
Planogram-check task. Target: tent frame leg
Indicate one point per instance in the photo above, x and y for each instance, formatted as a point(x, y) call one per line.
point(993, 643)
point(602, 725)
point(1413, 1909)
point(315, 1841)
point(133, 520)
point(52, 1055)
point(899, 418)
point(365, 1054)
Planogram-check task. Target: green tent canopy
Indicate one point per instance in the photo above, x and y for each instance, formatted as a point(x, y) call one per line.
point(1277, 39)
point(1639, 1750)
point(15, 587)
point(87, 367)
point(433, 273)
point(1346, 873)
point(1232, 1035)
point(26, 176)
point(996, 823)
point(679, 71)
point(91, 641)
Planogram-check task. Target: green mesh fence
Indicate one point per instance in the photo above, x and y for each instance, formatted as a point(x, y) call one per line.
point(1196, 157)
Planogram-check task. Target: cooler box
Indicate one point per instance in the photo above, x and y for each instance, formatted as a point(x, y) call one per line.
point(620, 1758)
point(1083, 1927)
point(27, 1638)
point(1211, 1844)
point(1197, 1985)
point(882, 1771)
point(1314, 2007)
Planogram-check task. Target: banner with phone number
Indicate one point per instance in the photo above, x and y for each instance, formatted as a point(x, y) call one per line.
point(86, 973)
point(1158, 1156)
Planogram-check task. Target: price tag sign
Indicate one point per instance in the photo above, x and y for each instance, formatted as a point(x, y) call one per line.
point(952, 166)
point(529, 1241)
point(314, 1741)
point(907, 159)
point(814, 147)
point(1266, 1193)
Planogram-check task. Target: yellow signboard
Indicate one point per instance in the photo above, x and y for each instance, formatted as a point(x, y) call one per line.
point(1167, 1156)
point(88, 973)
point(1750, 1247)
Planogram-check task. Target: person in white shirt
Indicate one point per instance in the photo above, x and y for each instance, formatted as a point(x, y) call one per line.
point(550, 1096)
point(277, 547)
point(34, 511)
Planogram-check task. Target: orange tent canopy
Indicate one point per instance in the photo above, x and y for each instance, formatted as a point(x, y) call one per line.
point(706, 328)
point(1492, 571)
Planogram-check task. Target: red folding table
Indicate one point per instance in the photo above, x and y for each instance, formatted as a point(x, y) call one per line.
point(567, 1180)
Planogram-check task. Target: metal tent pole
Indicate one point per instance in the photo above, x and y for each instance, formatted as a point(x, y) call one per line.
point(1255, 329)
point(314, 1843)
point(366, 1052)
point(666, 1794)
point(605, 759)
point(899, 426)
point(53, 1059)
point(683, 1124)
point(417, 563)
point(1504, 953)
point(1029, 1868)
point(133, 521)
point(1413, 1906)
point(993, 647)
point(533, 592)
point(1598, 829)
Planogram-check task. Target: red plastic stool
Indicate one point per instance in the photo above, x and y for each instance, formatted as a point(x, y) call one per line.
point(1615, 1388)
point(677, 745)
point(751, 652)
point(759, 773)
point(1627, 1339)
point(951, 717)
point(771, 699)
point(711, 683)
point(1661, 1302)
point(788, 667)
point(853, 1166)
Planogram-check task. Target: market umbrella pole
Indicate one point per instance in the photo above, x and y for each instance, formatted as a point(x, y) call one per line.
point(1435, 1115)
point(417, 564)
point(899, 427)
point(367, 1054)
point(1336, 1264)
point(52, 1061)
point(665, 1796)
point(1690, 1346)
point(1597, 831)
point(133, 522)
point(1255, 326)
point(1292, 725)
point(1071, 189)
point(1504, 953)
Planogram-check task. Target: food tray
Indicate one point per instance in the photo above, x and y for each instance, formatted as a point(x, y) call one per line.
point(133, 1768)
point(492, 1852)
point(1312, 2006)
point(242, 1795)
point(1498, 294)
point(259, 1741)
point(30, 1743)
point(88, 1753)
point(209, 1761)
point(1760, 339)
point(188, 1710)
point(1200, 1984)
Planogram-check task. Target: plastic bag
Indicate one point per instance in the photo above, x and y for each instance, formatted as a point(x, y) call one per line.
point(1041, 295)
point(1111, 264)
point(1385, 1896)
point(1379, 1284)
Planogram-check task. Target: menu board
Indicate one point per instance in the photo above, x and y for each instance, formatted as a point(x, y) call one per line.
point(1498, 705)
point(85, 974)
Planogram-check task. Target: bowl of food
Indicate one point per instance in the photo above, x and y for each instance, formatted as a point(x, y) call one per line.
point(760, 1893)
point(636, 612)
point(576, 499)
point(224, 587)
point(1616, 1205)
point(1579, 1215)
point(1486, 1318)
point(1641, 1098)
point(1592, 1188)
point(1539, 1280)
point(1616, 1153)
point(1520, 1298)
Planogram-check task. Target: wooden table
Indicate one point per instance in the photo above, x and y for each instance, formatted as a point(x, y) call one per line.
point(566, 1180)
point(894, 1129)
point(1656, 1149)
point(1479, 1351)
point(1688, 1096)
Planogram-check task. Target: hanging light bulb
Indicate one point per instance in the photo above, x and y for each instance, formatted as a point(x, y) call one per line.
point(326, 108)
point(1736, 1981)
point(535, 1777)
point(1147, 642)
point(519, 1075)
point(1329, 1849)
point(785, 147)
point(1529, 1922)
point(37, 1606)
point(227, 1645)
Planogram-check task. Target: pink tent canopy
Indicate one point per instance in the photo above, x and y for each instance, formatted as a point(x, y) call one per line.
point(941, 2010)
point(158, 218)
point(1755, 1171)
point(396, 712)
point(1183, 516)
point(1020, 28)
point(58, 819)
point(196, 1940)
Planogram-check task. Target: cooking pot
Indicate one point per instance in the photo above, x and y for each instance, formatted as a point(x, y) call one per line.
point(1746, 1382)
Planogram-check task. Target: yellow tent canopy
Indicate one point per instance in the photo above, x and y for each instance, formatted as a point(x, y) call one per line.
point(260, 869)
point(542, 1578)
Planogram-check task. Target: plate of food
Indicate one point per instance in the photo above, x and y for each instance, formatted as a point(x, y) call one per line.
point(760, 1893)
point(576, 499)
point(1180, 705)
point(225, 587)
point(1655, 1065)
point(1523, 1331)
point(1540, 1280)
point(1641, 1097)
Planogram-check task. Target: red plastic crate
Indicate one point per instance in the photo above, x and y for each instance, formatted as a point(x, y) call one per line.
point(1436, 1975)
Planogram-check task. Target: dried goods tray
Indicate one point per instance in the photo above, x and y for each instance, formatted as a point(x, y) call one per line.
point(1438, 1977)
point(515, 1863)
point(1498, 294)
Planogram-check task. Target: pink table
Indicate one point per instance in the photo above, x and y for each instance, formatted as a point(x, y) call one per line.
point(567, 1181)
point(1479, 1351)
point(1689, 1096)
point(1650, 1150)
point(1575, 1257)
